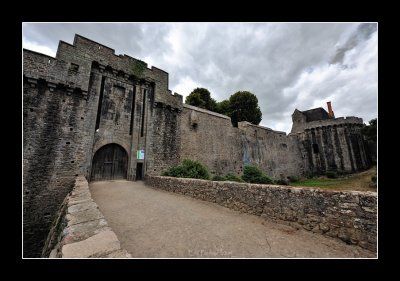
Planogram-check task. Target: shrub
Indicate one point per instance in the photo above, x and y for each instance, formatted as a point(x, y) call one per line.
point(233, 177)
point(281, 182)
point(218, 178)
point(331, 174)
point(293, 179)
point(253, 174)
point(188, 169)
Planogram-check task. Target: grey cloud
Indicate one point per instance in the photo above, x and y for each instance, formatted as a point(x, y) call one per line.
point(133, 39)
point(363, 32)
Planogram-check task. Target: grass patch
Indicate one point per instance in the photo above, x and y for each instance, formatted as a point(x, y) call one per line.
point(323, 183)
point(359, 181)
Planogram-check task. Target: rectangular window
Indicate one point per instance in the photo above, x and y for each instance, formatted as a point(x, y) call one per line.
point(73, 68)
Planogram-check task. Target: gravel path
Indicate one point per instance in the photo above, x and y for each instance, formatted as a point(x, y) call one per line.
point(153, 223)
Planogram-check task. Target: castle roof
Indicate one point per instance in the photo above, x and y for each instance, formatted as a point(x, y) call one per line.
point(316, 114)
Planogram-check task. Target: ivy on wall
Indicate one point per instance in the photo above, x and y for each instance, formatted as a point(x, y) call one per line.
point(138, 67)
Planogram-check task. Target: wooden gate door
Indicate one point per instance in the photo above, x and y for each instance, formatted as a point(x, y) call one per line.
point(110, 162)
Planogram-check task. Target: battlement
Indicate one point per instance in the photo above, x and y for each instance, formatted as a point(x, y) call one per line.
point(83, 42)
point(333, 122)
point(80, 56)
point(55, 72)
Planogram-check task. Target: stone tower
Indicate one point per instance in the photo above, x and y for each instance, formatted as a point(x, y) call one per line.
point(328, 143)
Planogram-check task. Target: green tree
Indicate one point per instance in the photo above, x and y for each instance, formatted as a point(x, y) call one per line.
point(195, 100)
point(201, 97)
point(244, 107)
point(223, 107)
point(369, 131)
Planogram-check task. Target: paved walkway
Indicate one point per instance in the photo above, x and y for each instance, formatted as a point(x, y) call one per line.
point(153, 223)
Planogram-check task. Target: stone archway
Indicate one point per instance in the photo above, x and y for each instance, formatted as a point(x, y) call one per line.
point(110, 162)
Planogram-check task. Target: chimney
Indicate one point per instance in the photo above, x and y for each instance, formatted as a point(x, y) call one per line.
point(330, 112)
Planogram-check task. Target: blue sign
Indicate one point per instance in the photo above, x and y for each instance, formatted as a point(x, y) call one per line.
point(140, 154)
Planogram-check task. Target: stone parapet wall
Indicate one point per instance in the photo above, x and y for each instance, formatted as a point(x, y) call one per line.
point(349, 216)
point(212, 113)
point(80, 229)
point(332, 122)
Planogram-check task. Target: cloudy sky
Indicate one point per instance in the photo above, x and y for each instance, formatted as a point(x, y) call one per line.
point(286, 65)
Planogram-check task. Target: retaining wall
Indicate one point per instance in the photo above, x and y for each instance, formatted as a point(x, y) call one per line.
point(80, 229)
point(349, 216)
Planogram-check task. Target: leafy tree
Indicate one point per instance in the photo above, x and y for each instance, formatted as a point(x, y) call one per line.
point(223, 107)
point(195, 100)
point(241, 106)
point(244, 107)
point(369, 131)
point(201, 97)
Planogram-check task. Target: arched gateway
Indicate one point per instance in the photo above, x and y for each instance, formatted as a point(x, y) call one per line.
point(110, 162)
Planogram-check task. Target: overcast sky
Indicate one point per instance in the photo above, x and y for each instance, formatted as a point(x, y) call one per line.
point(286, 65)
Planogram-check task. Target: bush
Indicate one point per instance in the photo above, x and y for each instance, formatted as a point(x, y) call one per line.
point(253, 174)
point(218, 178)
point(281, 182)
point(232, 177)
point(293, 179)
point(331, 174)
point(373, 179)
point(188, 169)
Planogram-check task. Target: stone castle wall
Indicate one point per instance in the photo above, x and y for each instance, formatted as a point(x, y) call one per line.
point(209, 137)
point(57, 136)
point(212, 140)
point(349, 216)
point(334, 145)
point(274, 152)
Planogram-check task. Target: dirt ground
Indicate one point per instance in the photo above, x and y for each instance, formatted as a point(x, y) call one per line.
point(153, 223)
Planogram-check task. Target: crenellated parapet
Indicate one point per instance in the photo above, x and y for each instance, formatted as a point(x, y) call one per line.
point(73, 64)
point(341, 121)
point(53, 72)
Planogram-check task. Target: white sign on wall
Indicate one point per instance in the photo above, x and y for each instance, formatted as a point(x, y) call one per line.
point(140, 154)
